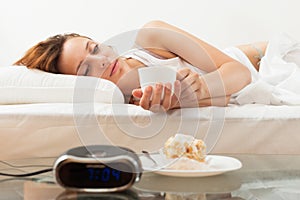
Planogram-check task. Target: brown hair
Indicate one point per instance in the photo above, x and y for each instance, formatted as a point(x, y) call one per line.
point(45, 54)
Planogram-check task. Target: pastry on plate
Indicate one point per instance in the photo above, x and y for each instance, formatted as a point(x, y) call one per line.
point(181, 145)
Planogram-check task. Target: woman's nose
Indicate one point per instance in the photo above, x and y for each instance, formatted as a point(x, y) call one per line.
point(98, 61)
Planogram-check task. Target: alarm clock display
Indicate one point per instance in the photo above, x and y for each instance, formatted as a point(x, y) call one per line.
point(98, 168)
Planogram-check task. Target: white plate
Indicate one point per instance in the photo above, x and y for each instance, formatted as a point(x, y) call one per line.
point(213, 165)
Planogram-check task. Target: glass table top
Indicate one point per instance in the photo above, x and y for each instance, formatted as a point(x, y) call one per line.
point(261, 177)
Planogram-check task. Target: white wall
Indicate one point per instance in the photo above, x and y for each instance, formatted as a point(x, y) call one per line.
point(220, 22)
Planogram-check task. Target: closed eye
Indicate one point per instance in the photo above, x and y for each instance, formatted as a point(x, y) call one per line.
point(96, 49)
point(87, 69)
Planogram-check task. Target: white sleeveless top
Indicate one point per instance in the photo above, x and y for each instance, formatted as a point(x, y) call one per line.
point(150, 59)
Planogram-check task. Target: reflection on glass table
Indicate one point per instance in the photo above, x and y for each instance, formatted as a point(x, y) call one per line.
point(261, 177)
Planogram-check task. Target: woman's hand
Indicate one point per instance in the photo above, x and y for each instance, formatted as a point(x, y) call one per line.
point(152, 99)
point(194, 91)
point(188, 91)
point(192, 88)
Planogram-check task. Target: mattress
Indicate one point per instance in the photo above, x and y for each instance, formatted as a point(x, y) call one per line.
point(49, 129)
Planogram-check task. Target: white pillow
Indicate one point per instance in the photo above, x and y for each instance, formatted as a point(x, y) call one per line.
point(18, 85)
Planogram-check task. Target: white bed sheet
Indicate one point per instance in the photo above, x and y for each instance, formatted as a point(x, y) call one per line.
point(39, 130)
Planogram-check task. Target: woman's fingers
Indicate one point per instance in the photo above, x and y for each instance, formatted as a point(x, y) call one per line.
point(191, 82)
point(145, 99)
point(166, 102)
point(151, 98)
point(176, 95)
point(158, 98)
point(188, 90)
point(137, 93)
point(191, 85)
point(182, 73)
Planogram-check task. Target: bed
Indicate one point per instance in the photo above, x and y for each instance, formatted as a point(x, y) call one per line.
point(49, 129)
point(44, 114)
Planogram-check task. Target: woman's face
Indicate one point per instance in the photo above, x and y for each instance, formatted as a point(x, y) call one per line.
point(85, 57)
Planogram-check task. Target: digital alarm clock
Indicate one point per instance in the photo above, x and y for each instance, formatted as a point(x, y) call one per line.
point(97, 168)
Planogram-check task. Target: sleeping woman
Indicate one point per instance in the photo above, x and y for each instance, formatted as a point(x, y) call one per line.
point(206, 76)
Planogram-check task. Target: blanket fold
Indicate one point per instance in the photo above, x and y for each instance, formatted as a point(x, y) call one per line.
point(278, 77)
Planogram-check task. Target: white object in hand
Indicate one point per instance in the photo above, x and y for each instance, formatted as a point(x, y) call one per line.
point(149, 76)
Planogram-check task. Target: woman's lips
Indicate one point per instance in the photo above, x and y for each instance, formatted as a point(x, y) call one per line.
point(114, 67)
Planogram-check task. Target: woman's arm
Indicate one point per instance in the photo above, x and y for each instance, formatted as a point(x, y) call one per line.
point(225, 75)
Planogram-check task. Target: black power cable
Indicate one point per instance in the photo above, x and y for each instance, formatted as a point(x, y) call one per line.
point(27, 174)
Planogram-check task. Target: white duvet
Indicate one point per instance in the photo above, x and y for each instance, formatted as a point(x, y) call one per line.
point(278, 80)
